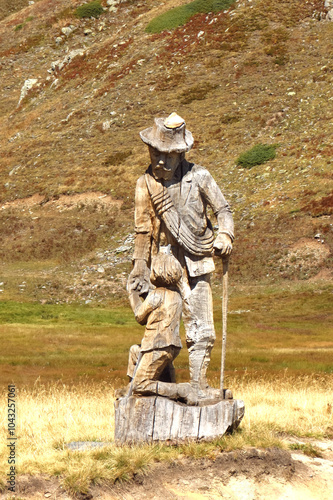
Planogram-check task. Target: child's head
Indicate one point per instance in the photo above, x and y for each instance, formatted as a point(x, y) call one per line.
point(165, 270)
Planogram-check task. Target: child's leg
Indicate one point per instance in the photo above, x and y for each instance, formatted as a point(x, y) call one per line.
point(151, 367)
point(146, 381)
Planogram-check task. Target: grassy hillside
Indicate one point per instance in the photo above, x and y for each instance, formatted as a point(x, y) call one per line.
point(258, 72)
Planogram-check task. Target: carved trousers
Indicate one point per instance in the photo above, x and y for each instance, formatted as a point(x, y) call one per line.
point(199, 327)
point(153, 363)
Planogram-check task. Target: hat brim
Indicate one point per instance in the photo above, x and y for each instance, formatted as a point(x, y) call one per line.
point(177, 147)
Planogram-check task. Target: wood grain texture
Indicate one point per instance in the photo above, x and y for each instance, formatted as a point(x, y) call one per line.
point(152, 419)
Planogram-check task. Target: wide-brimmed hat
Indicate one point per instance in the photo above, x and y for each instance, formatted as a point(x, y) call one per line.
point(168, 135)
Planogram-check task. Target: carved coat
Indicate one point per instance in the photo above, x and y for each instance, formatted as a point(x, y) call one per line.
point(191, 190)
point(161, 312)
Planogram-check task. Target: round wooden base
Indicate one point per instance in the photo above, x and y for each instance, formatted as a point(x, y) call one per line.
point(154, 418)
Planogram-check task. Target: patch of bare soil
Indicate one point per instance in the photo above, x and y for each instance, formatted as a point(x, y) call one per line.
point(306, 256)
point(64, 201)
point(240, 475)
point(323, 275)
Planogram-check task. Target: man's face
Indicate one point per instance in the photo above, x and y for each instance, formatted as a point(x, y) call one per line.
point(164, 165)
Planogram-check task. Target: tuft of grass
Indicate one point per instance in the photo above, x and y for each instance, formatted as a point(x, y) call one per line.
point(117, 158)
point(20, 26)
point(180, 15)
point(260, 153)
point(308, 449)
point(198, 92)
point(90, 9)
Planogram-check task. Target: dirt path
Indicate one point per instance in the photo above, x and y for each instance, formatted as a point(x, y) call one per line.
point(252, 474)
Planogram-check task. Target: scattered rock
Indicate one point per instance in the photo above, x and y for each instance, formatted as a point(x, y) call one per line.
point(28, 85)
point(88, 32)
point(60, 63)
point(329, 6)
point(106, 125)
point(14, 170)
point(67, 30)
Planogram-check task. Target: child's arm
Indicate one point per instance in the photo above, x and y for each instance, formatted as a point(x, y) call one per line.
point(143, 309)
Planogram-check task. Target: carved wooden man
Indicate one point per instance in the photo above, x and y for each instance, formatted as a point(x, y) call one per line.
point(170, 209)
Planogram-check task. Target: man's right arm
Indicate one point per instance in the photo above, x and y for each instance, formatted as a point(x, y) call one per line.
point(139, 277)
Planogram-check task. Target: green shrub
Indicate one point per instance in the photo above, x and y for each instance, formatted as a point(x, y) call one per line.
point(18, 27)
point(180, 15)
point(260, 153)
point(90, 9)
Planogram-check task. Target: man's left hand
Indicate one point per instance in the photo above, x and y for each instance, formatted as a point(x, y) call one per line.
point(222, 244)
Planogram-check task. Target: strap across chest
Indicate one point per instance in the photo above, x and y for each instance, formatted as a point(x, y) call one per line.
point(199, 245)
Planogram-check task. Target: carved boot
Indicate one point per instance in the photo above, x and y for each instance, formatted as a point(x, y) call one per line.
point(182, 392)
point(199, 358)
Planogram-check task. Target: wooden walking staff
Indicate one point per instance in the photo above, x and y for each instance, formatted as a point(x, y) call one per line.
point(130, 391)
point(225, 261)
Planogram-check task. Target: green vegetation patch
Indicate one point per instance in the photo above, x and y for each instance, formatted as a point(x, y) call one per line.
point(34, 313)
point(180, 15)
point(285, 331)
point(308, 449)
point(90, 9)
point(260, 153)
point(20, 26)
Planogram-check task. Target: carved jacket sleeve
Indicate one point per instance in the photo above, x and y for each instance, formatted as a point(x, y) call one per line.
point(214, 197)
point(143, 221)
point(143, 310)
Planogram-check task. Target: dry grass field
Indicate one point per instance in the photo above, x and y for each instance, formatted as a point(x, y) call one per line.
point(50, 416)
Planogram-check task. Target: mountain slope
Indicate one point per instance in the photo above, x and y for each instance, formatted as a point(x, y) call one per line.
point(260, 72)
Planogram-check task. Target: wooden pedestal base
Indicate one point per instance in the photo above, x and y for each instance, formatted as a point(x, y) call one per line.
point(154, 418)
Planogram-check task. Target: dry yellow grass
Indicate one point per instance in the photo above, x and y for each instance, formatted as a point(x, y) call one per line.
point(300, 406)
point(50, 417)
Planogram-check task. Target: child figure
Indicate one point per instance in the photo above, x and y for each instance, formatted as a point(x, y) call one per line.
point(161, 344)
